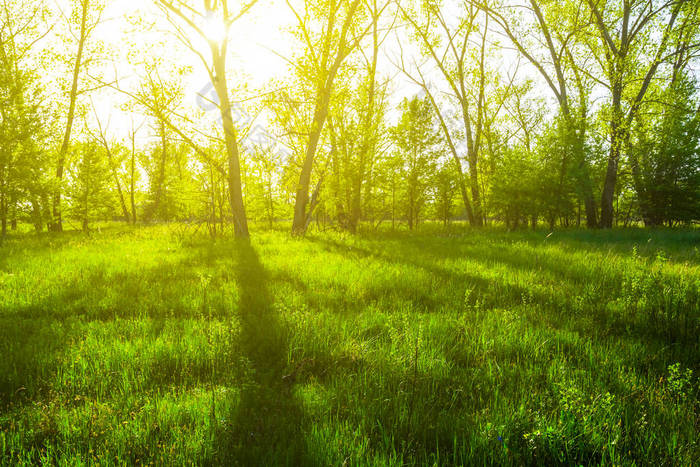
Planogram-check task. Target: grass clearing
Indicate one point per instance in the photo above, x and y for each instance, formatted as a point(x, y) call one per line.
point(147, 346)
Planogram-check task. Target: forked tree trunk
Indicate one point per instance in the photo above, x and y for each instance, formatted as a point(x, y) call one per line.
point(302, 192)
point(367, 145)
point(117, 182)
point(3, 214)
point(328, 67)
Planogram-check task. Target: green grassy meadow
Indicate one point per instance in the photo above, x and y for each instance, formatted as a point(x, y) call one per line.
point(154, 346)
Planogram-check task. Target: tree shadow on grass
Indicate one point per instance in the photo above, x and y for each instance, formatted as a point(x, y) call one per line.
point(604, 327)
point(492, 293)
point(266, 426)
point(29, 347)
point(40, 327)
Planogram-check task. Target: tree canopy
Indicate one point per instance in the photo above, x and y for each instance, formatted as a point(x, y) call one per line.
point(350, 113)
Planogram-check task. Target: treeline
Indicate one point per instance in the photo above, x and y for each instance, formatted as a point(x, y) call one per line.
point(526, 112)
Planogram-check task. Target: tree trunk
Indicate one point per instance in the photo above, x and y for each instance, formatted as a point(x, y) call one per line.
point(85, 211)
point(474, 182)
point(160, 183)
point(57, 222)
point(591, 212)
point(474, 155)
point(270, 201)
point(368, 137)
point(36, 215)
point(584, 178)
point(132, 182)
point(393, 204)
point(46, 209)
point(212, 200)
point(13, 222)
point(302, 193)
point(606, 203)
point(3, 214)
point(240, 222)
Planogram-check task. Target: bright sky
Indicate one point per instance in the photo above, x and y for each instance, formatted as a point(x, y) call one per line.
point(251, 60)
point(258, 42)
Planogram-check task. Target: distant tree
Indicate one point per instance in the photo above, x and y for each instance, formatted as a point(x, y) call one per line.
point(89, 192)
point(264, 165)
point(160, 98)
point(417, 145)
point(172, 193)
point(446, 182)
point(546, 34)
point(387, 178)
point(665, 156)
point(132, 172)
point(115, 160)
point(450, 47)
point(634, 38)
point(356, 131)
point(516, 188)
point(21, 157)
point(23, 180)
point(372, 96)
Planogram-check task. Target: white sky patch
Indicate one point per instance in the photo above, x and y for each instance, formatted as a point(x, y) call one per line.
point(259, 45)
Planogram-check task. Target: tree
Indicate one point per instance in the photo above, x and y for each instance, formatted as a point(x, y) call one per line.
point(356, 131)
point(630, 57)
point(264, 163)
point(85, 16)
point(88, 191)
point(417, 144)
point(545, 37)
point(133, 174)
point(325, 52)
point(22, 181)
point(161, 98)
point(450, 50)
point(216, 15)
point(371, 114)
point(665, 156)
point(445, 190)
point(114, 163)
point(20, 135)
point(518, 186)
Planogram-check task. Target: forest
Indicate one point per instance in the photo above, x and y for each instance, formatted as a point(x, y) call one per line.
point(350, 232)
point(560, 113)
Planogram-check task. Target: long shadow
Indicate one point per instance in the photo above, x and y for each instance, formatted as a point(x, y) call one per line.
point(508, 292)
point(654, 336)
point(28, 347)
point(35, 334)
point(267, 426)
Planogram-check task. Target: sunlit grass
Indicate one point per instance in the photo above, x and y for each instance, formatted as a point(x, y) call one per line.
point(153, 346)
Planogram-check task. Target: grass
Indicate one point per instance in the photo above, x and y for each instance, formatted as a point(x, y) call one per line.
point(150, 346)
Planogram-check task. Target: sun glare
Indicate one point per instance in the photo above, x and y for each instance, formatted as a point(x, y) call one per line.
point(215, 29)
